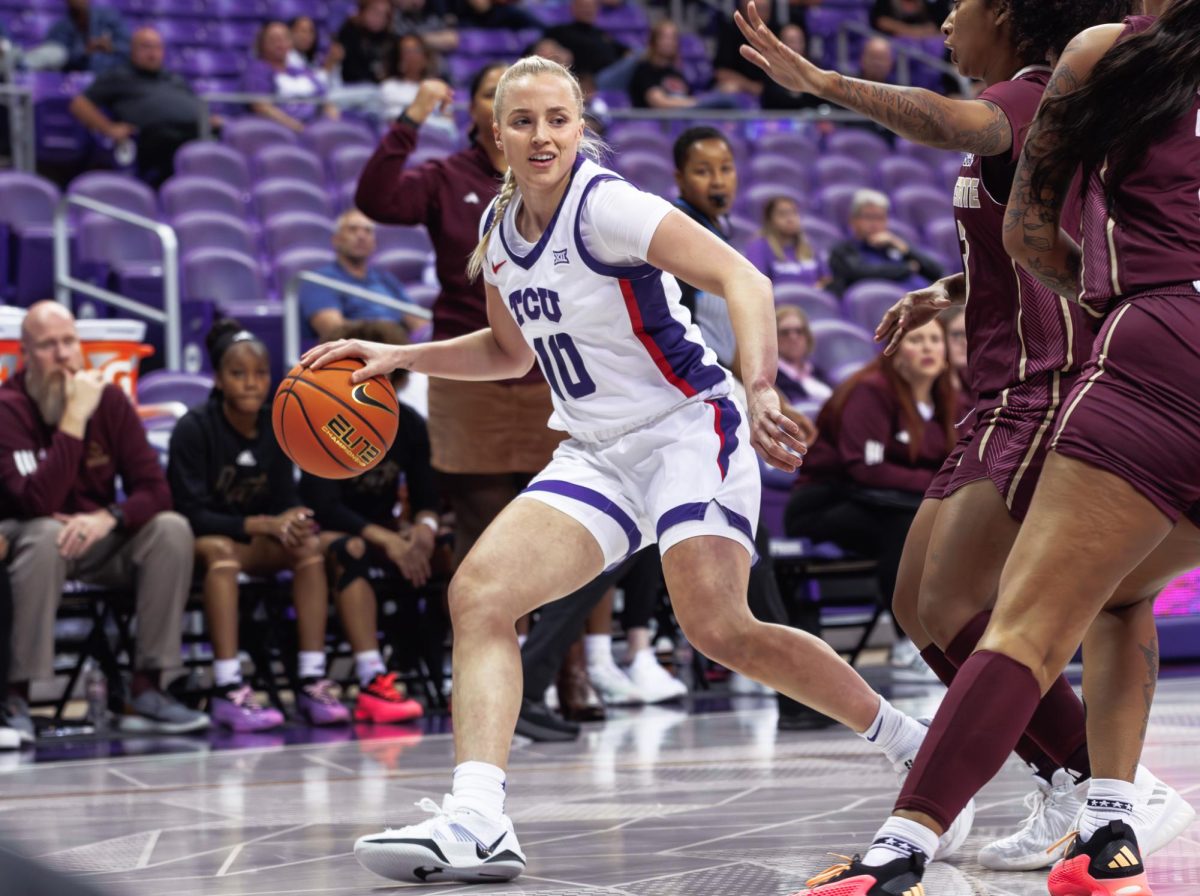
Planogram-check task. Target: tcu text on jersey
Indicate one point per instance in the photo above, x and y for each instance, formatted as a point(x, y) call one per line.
point(534, 303)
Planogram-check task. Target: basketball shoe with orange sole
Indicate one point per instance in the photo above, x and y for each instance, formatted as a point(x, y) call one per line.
point(899, 877)
point(1109, 863)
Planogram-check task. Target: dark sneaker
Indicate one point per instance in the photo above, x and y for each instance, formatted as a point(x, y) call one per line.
point(1108, 863)
point(899, 877)
point(156, 712)
point(15, 715)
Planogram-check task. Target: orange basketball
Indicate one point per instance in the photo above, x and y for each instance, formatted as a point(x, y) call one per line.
point(331, 427)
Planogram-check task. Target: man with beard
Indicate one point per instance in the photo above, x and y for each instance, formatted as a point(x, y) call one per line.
point(64, 438)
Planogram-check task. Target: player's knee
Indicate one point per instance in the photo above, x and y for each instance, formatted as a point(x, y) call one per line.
point(475, 599)
point(38, 538)
point(306, 552)
point(217, 551)
point(171, 532)
point(356, 547)
point(724, 639)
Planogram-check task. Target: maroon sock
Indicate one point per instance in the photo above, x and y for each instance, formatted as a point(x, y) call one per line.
point(1058, 729)
point(976, 727)
point(939, 663)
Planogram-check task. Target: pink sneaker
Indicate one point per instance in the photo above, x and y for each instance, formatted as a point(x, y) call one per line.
point(237, 708)
point(318, 704)
point(381, 700)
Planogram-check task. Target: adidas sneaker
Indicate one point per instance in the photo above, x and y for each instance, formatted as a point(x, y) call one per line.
point(1107, 863)
point(899, 877)
point(1160, 813)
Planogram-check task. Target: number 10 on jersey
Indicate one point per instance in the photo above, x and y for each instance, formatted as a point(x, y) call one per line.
point(563, 366)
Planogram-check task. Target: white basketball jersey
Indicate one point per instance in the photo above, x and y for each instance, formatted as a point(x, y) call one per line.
point(614, 343)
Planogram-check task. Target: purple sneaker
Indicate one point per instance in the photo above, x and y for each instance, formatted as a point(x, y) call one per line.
point(318, 704)
point(237, 708)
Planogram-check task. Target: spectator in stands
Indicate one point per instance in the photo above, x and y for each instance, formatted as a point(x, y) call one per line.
point(594, 48)
point(883, 435)
point(368, 43)
point(65, 437)
point(487, 439)
point(955, 320)
point(272, 73)
point(874, 252)
point(549, 48)
point(360, 530)
point(795, 378)
point(503, 14)
point(732, 73)
point(93, 38)
point(230, 478)
point(145, 103)
point(782, 251)
point(909, 18)
point(657, 81)
point(776, 96)
point(326, 310)
point(877, 61)
point(305, 52)
point(411, 63)
point(427, 19)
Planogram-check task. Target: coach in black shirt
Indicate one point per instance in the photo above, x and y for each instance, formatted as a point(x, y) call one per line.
point(154, 107)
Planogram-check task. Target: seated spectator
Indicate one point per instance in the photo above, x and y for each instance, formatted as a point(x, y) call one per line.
point(504, 14)
point(782, 251)
point(795, 377)
point(230, 478)
point(875, 253)
point(594, 48)
point(776, 96)
point(955, 320)
point(152, 106)
point(305, 52)
point(549, 48)
point(272, 73)
point(883, 435)
point(88, 39)
point(428, 19)
point(909, 18)
point(368, 43)
point(657, 81)
point(411, 63)
point(878, 60)
point(324, 309)
point(359, 530)
point(65, 437)
point(731, 71)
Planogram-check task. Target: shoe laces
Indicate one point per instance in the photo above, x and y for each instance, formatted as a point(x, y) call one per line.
point(1067, 840)
point(243, 699)
point(321, 690)
point(383, 685)
point(833, 872)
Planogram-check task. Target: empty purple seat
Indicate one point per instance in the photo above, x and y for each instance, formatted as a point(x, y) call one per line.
point(655, 142)
point(834, 202)
point(324, 136)
point(211, 159)
point(800, 147)
point(742, 230)
point(180, 35)
point(866, 301)
point(192, 192)
point(249, 135)
point(345, 195)
point(487, 42)
point(296, 230)
point(120, 190)
point(626, 17)
point(290, 263)
point(929, 155)
point(901, 171)
point(27, 204)
point(920, 203)
point(816, 303)
point(754, 199)
point(839, 344)
point(213, 230)
point(346, 163)
point(233, 35)
point(112, 242)
point(221, 10)
point(204, 62)
point(161, 386)
point(866, 146)
point(822, 234)
point(421, 294)
point(649, 171)
point(402, 237)
point(941, 235)
point(778, 167)
point(949, 170)
point(285, 194)
point(288, 161)
point(220, 275)
point(406, 265)
point(838, 169)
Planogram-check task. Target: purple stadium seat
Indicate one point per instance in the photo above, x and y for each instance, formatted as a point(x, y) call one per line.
point(649, 171)
point(421, 294)
point(866, 301)
point(185, 193)
point(901, 171)
point(461, 68)
point(296, 230)
point(257, 10)
point(120, 190)
point(816, 303)
point(345, 195)
point(233, 35)
point(180, 36)
point(415, 239)
point(742, 230)
point(802, 148)
point(249, 135)
point(161, 386)
point(285, 194)
point(211, 159)
point(653, 142)
point(838, 169)
point(949, 170)
point(626, 17)
point(324, 136)
point(839, 344)
point(691, 46)
point(834, 203)
point(479, 42)
point(288, 161)
point(869, 148)
point(941, 234)
point(778, 167)
point(920, 204)
point(754, 199)
point(346, 163)
point(27, 204)
point(293, 262)
point(203, 62)
point(213, 230)
point(220, 275)
point(927, 154)
point(104, 239)
point(406, 265)
point(821, 234)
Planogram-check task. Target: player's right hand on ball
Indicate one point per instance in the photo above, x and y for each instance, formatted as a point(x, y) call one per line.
point(377, 357)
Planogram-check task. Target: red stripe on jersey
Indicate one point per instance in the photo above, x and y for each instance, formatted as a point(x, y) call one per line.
point(647, 341)
point(720, 435)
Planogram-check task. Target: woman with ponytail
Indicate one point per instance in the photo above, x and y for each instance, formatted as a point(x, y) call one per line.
point(579, 268)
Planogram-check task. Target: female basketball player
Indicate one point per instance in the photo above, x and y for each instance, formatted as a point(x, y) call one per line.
point(1123, 106)
point(577, 264)
point(1026, 347)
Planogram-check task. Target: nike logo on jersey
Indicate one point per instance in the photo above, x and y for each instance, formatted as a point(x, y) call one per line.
point(498, 265)
point(360, 395)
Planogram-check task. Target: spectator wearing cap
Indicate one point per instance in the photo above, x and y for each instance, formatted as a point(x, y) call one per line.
point(272, 73)
point(874, 252)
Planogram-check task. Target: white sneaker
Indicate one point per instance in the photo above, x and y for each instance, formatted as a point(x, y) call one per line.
point(456, 845)
point(614, 686)
point(655, 683)
point(1160, 814)
point(1052, 808)
point(907, 664)
point(10, 739)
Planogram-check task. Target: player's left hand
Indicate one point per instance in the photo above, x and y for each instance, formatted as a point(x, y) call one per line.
point(775, 437)
point(81, 531)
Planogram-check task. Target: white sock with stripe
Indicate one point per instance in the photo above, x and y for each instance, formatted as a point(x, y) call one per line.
point(1108, 800)
point(899, 838)
point(895, 733)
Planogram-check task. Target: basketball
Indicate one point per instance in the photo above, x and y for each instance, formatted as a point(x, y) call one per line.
point(331, 427)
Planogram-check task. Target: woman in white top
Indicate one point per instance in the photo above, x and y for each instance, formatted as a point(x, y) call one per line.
point(579, 270)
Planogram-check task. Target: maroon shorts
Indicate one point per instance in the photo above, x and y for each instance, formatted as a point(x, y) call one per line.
point(1135, 411)
point(939, 487)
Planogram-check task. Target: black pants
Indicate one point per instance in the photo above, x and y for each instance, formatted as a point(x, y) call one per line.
point(6, 629)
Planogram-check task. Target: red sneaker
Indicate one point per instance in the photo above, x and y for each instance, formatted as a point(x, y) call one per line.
point(899, 877)
point(381, 700)
point(1109, 864)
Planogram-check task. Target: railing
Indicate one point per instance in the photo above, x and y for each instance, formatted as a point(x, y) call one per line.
point(291, 307)
point(905, 56)
point(65, 284)
point(204, 121)
point(18, 102)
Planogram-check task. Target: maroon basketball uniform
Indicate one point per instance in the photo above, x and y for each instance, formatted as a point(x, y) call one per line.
point(1135, 410)
point(1025, 344)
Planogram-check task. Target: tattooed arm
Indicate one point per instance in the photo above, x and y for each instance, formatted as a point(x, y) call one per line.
point(1032, 234)
point(914, 113)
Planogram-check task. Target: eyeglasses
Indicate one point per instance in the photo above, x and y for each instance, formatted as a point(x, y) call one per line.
point(793, 331)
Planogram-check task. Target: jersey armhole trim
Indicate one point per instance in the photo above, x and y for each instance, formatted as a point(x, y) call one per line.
point(626, 272)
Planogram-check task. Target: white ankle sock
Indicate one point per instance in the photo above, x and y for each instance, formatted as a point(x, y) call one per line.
point(227, 672)
point(311, 664)
point(898, 838)
point(895, 733)
point(646, 656)
point(367, 665)
point(479, 786)
point(1108, 799)
point(598, 650)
